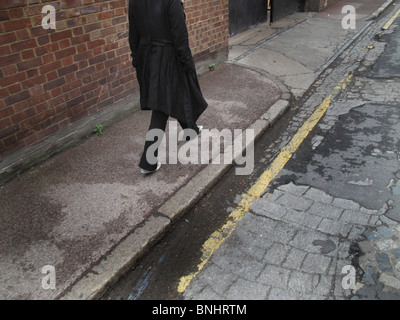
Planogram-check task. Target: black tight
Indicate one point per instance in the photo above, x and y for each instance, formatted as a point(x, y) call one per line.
point(158, 121)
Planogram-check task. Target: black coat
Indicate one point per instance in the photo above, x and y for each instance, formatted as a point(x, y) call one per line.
point(164, 64)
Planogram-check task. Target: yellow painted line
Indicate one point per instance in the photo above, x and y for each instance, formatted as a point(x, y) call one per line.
point(259, 187)
point(391, 20)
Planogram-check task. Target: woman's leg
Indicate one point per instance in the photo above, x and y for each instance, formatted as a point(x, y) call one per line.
point(185, 126)
point(158, 121)
point(188, 134)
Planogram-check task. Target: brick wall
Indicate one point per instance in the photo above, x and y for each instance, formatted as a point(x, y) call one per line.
point(208, 25)
point(49, 79)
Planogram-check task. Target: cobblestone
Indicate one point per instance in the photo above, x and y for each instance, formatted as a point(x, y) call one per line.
point(294, 202)
point(293, 189)
point(385, 232)
point(276, 254)
point(346, 204)
point(326, 210)
point(318, 196)
point(332, 227)
point(380, 262)
point(291, 249)
point(299, 253)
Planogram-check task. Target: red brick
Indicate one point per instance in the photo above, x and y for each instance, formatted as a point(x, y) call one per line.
point(34, 81)
point(39, 98)
point(11, 79)
point(19, 46)
point(48, 58)
point(38, 31)
point(4, 15)
point(82, 47)
point(23, 34)
point(98, 59)
point(84, 72)
point(117, 4)
point(78, 31)
point(86, 55)
point(15, 88)
point(17, 24)
point(119, 20)
point(33, 10)
point(52, 75)
point(64, 43)
point(7, 38)
point(47, 48)
point(92, 27)
point(90, 9)
point(72, 85)
point(20, 96)
point(88, 87)
point(53, 84)
point(15, 3)
point(65, 53)
point(28, 54)
point(37, 90)
point(108, 31)
point(66, 4)
point(6, 112)
point(80, 39)
point(74, 102)
point(42, 40)
point(66, 70)
point(5, 50)
point(29, 64)
point(10, 141)
point(96, 43)
point(61, 35)
point(67, 61)
point(106, 15)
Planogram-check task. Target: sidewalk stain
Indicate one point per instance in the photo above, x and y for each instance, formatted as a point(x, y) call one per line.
point(254, 193)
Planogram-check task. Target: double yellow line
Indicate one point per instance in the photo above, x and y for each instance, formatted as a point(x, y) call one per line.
point(391, 20)
point(255, 192)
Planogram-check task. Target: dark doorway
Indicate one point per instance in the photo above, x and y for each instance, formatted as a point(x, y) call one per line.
point(282, 8)
point(246, 13)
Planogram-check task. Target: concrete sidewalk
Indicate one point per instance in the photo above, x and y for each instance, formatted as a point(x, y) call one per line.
point(91, 201)
point(90, 214)
point(297, 49)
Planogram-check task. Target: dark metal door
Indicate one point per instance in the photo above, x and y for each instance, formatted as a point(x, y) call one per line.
point(282, 8)
point(246, 13)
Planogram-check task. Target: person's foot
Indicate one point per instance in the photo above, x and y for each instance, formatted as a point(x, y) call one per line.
point(148, 171)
